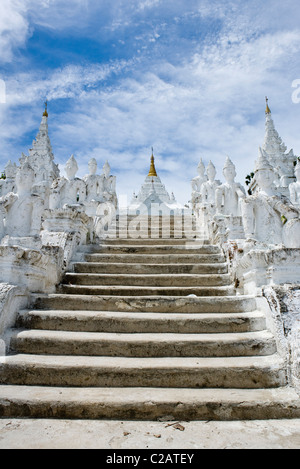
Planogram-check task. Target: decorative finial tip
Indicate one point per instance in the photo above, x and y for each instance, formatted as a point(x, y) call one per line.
point(46, 111)
point(268, 110)
point(152, 171)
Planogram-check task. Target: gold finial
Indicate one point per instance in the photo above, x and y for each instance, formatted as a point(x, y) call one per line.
point(46, 112)
point(268, 110)
point(152, 172)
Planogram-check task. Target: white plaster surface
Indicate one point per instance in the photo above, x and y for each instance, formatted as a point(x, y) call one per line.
point(94, 434)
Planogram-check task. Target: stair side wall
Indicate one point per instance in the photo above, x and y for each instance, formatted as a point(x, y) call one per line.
point(12, 299)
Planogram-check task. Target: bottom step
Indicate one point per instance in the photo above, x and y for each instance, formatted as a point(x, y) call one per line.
point(148, 403)
point(166, 372)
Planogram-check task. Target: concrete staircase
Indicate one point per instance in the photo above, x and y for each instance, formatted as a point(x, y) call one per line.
point(145, 329)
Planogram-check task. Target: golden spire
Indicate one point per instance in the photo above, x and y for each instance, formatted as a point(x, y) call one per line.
point(268, 110)
point(152, 171)
point(46, 112)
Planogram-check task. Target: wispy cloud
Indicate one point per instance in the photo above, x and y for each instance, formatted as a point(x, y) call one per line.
point(14, 28)
point(68, 82)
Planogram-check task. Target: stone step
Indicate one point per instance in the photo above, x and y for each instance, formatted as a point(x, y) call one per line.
point(154, 220)
point(148, 235)
point(171, 372)
point(158, 280)
point(125, 219)
point(172, 216)
point(148, 403)
point(187, 222)
point(156, 258)
point(142, 345)
point(123, 290)
point(123, 268)
point(189, 248)
point(166, 229)
point(151, 242)
point(160, 304)
point(144, 225)
point(106, 321)
point(153, 224)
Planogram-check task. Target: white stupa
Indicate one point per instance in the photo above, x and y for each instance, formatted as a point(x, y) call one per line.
point(153, 198)
point(40, 157)
point(276, 152)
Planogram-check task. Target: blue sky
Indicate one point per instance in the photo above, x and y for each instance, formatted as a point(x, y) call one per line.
point(121, 76)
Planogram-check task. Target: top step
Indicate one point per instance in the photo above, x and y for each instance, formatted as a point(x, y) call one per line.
point(153, 241)
point(156, 248)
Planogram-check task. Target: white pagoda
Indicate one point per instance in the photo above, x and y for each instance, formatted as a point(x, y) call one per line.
point(40, 157)
point(153, 198)
point(276, 153)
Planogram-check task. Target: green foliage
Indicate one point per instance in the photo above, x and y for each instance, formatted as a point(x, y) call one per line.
point(249, 178)
point(297, 161)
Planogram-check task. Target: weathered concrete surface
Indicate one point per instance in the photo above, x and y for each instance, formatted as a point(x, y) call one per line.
point(66, 434)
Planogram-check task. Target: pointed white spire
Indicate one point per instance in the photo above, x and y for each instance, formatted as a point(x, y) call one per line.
point(40, 156)
point(275, 151)
point(273, 143)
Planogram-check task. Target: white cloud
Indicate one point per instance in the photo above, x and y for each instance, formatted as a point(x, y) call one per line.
point(14, 28)
point(70, 81)
point(144, 4)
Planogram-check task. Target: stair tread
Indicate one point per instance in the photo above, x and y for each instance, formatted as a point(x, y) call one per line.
point(153, 240)
point(140, 363)
point(174, 255)
point(188, 255)
point(152, 269)
point(141, 337)
point(147, 280)
point(168, 372)
point(142, 344)
point(126, 291)
point(83, 314)
point(218, 264)
point(129, 275)
point(105, 321)
point(189, 245)
point(150, 288)
point(153, 303)
point(144, 394)
point(136, 258)
point(145, 403)
point(208, 299)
